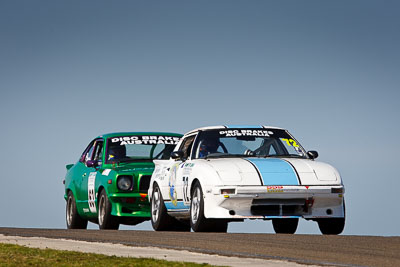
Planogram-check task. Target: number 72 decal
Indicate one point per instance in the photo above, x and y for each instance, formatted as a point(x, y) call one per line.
point(290, 142)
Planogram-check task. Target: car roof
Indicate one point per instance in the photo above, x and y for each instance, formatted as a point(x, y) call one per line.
point(108, 135)
point(233, 127)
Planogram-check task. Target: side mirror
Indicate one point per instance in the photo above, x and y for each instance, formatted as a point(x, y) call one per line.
point(92, 163)
point(312, 154)
point(177, 154)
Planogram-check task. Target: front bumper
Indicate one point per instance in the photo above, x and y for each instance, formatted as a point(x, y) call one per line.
point(268, 202)
point(130, 205)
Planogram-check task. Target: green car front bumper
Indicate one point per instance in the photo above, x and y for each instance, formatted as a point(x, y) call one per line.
point(130, 205)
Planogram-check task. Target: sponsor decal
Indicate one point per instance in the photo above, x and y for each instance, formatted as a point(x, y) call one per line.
point(172, 184)
point(245, 132)
point(91, 194)
point(189, 164)
point(188, 168)
point(145, 140)
point(106, 172)
point(275, 189)
point(85, 210)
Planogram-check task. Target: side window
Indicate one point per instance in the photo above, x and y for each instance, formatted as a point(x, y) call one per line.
point(88, 150)
point(89, 154)
point(187, 145)
point(272, 150)
point(98, 151)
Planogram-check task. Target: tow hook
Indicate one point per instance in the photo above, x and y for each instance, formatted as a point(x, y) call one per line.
point(309, 203)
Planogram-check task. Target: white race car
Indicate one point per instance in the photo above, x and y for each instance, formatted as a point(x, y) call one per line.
point(221, 174)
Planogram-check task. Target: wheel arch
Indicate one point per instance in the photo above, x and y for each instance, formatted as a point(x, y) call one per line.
point(194, 181)
point(67, 190)
point(99, 189)
point(150, 194)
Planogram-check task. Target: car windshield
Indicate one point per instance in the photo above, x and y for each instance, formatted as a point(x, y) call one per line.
point(139, 148)
point(247, 143)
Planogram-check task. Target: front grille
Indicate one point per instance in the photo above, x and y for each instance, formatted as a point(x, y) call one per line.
point(144, 183)
point(279, 207)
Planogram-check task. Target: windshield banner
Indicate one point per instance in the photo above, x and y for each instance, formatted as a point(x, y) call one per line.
point(145, 140)
point(245, 132)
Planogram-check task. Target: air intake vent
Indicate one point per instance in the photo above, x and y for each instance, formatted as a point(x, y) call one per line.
point(279, 207)
point(144, 183)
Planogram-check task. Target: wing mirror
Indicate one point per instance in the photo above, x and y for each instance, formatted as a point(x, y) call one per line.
point(177, 154)
point(312, 154)
point(92, 163)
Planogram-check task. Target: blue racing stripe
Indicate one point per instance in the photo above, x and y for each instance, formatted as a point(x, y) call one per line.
point(244, 126)
point(275, 171)
point(179, 206)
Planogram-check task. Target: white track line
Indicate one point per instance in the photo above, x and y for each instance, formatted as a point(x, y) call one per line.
point(139, 252)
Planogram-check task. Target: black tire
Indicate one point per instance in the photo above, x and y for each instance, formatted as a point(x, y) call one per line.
point(74, 221)
point(106, 220)
point(285, 226)
point(331, 226)
point(198, 222)
point(160, 220)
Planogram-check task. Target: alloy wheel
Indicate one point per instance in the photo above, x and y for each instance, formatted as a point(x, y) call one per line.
point(69, 211)
point(102, 210)
point(155, 205)
point(195, 206)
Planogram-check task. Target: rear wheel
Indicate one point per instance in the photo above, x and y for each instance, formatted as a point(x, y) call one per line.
point(331, 226)
point(198, 222)
point(160, 220)
point(74, 221)
point(106, 220)
point(285, 226)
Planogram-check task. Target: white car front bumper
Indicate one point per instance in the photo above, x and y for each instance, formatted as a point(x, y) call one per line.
point(267, 202)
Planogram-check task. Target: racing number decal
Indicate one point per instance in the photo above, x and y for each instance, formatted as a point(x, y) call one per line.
point(185, 180)
point(290, 142)
point(91, 195)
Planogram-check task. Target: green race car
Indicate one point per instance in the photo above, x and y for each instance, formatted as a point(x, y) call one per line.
point(108, 185)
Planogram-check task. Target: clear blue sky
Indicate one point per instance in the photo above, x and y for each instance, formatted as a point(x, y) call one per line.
point(329, 71)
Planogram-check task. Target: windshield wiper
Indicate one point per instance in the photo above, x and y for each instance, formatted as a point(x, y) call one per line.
point(284, 156)
point(223, 155)
point(128, 160)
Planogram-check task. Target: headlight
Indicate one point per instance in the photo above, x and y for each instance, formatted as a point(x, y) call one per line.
point(124, 182)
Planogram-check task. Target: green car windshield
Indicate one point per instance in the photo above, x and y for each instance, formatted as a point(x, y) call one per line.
point(139, 148)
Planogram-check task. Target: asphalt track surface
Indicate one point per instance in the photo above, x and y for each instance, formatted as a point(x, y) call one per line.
point(339, 250)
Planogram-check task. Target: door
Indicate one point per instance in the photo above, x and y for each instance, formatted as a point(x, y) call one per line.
point(177, 178)
point(87, 177)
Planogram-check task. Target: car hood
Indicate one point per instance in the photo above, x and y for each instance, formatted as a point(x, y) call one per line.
point(273, 171)
point(134, 167)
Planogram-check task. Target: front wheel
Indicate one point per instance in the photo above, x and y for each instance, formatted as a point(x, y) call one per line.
point(74, 221)
point(285, 226)
point(198, 222)
point(160, 220)
point(106, 220)
point(331, 226)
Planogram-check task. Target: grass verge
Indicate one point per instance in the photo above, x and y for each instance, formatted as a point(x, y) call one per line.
point(14, 255)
